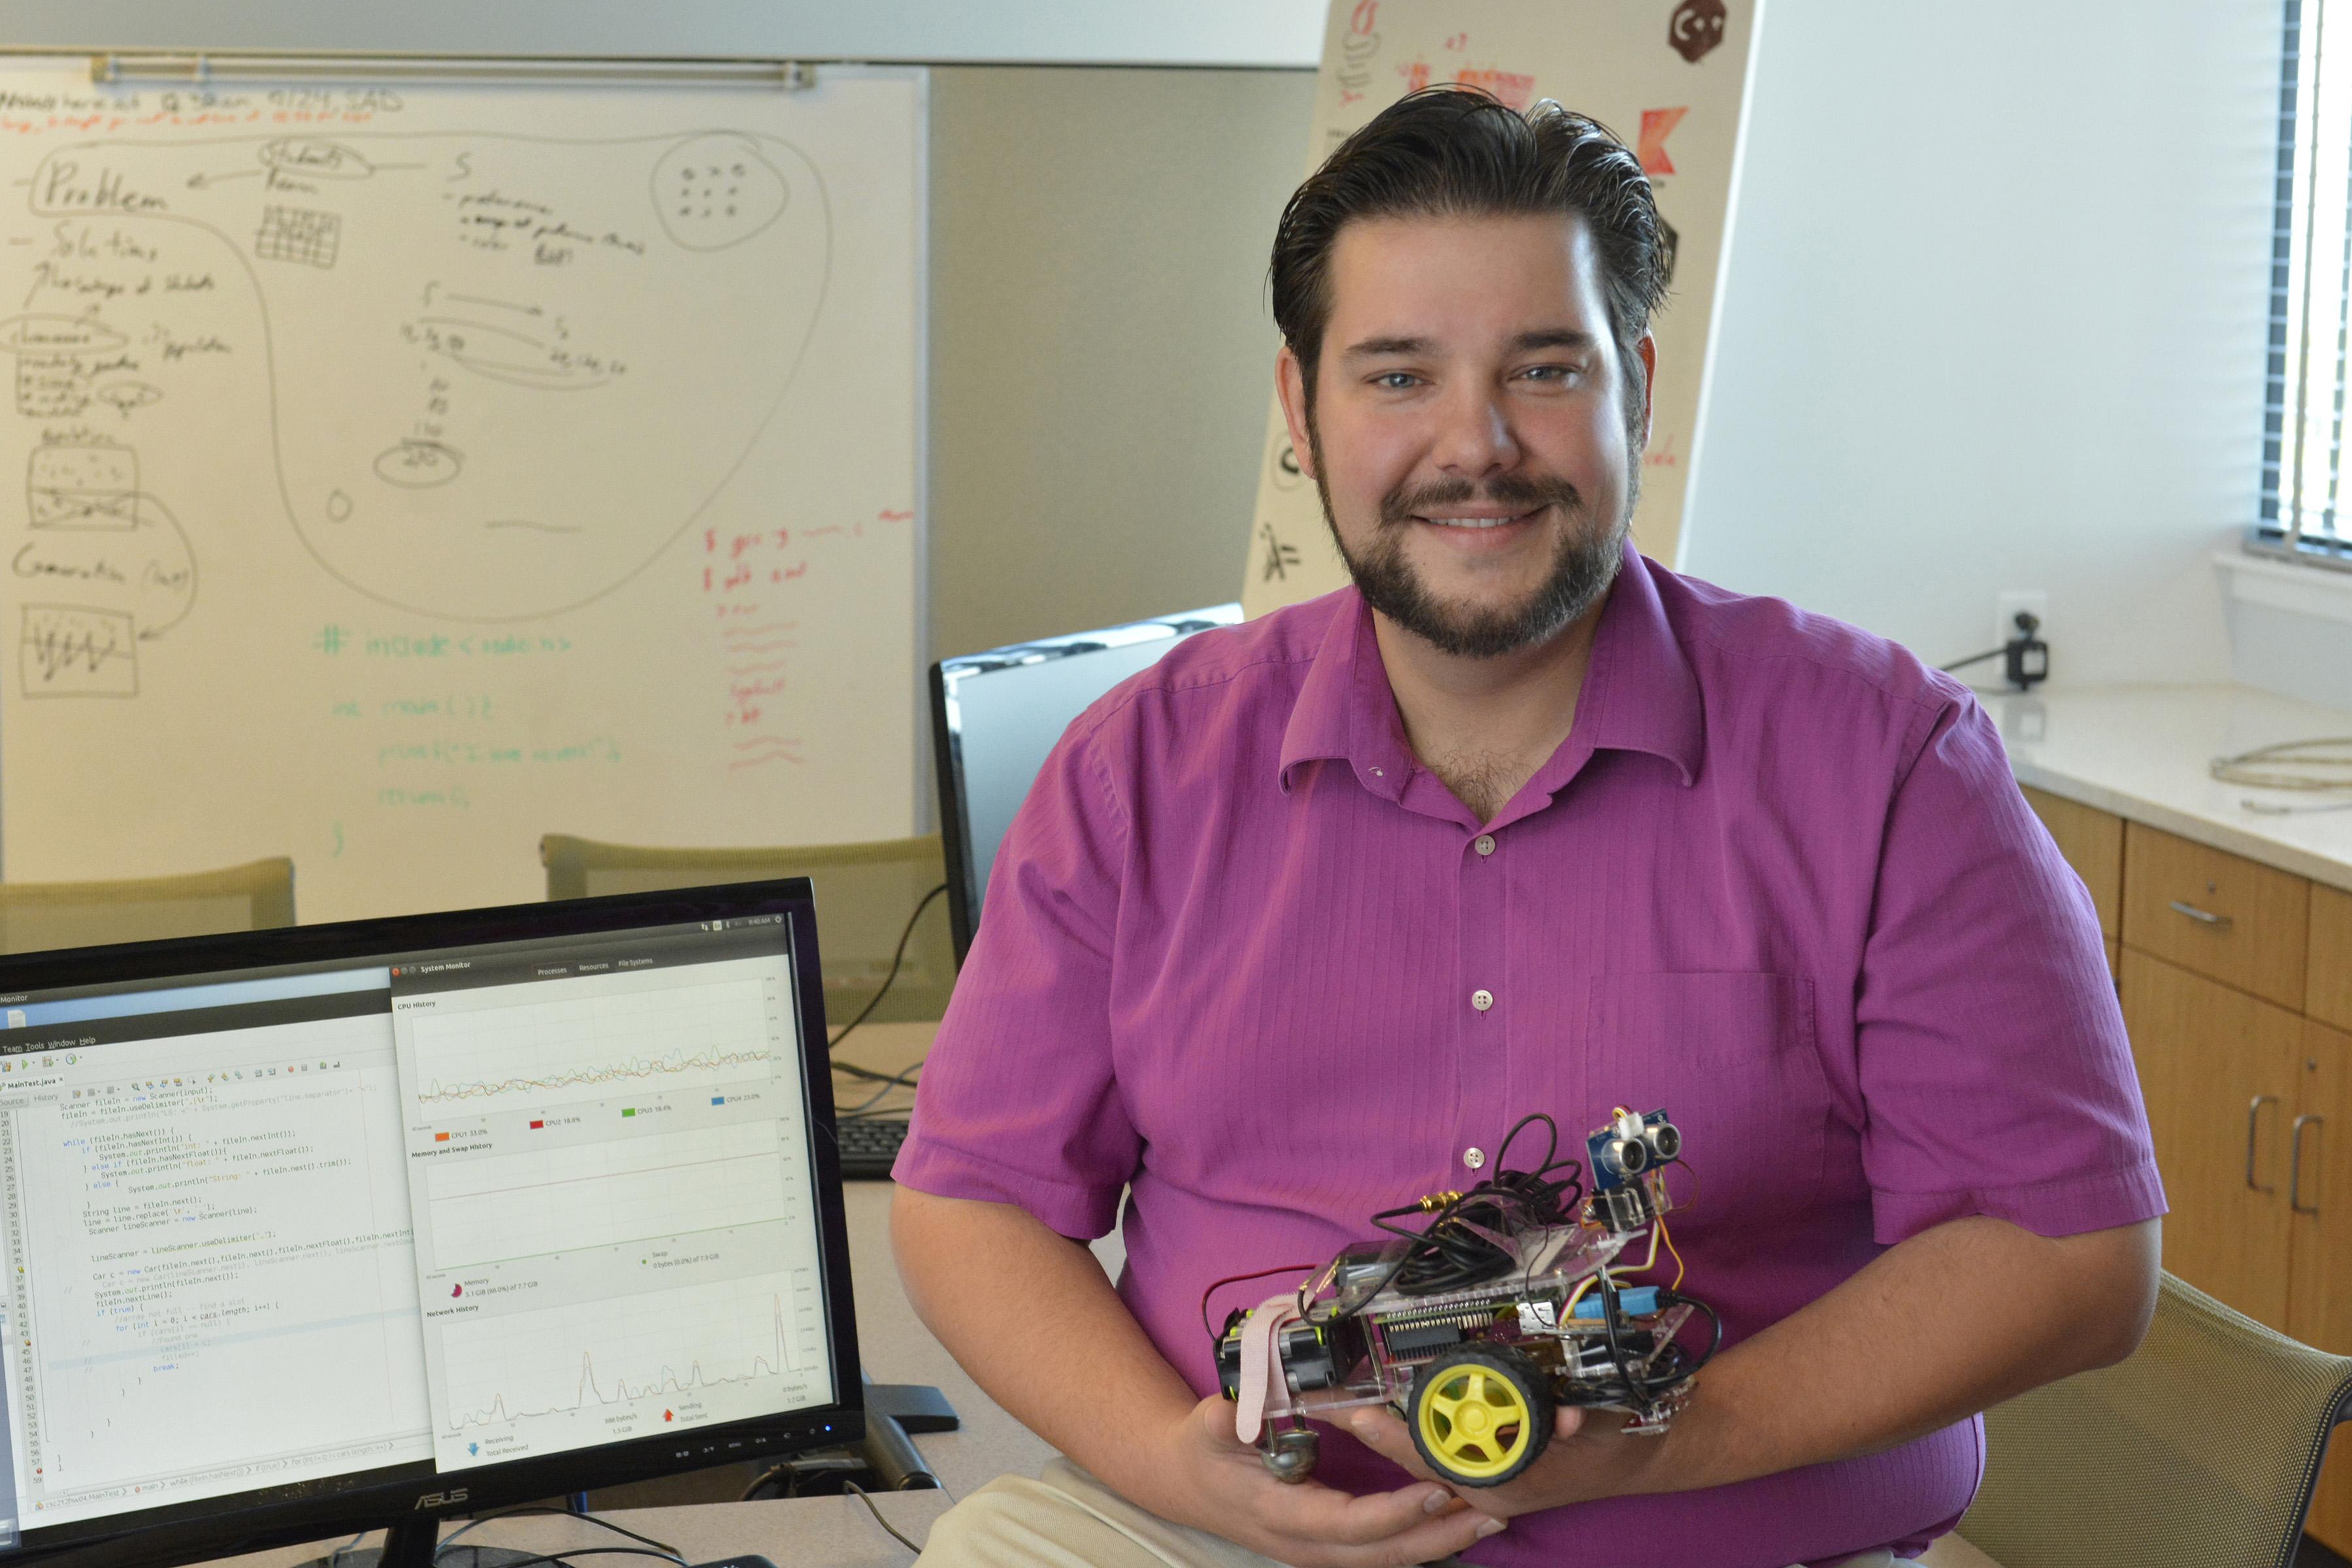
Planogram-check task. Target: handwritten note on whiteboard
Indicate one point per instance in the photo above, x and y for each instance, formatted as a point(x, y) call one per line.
point(1669, 76)
point(410, 473)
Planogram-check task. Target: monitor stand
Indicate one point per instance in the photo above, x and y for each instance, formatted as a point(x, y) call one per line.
point(412, 1542)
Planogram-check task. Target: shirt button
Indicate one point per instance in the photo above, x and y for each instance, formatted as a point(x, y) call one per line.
point(1484, 844)
point(1474, 1158)
point(1482, 1000)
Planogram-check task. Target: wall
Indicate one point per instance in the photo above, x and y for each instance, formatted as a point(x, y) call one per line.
point(1100, 344)
point(1993, 319)
point(1203, 32)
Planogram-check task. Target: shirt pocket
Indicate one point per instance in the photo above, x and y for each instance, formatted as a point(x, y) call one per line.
point(1730, 1057)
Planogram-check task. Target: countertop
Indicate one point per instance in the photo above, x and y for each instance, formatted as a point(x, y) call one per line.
point(2144, 752)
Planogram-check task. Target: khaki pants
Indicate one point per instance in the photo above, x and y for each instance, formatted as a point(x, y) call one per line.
point(1067, 1518)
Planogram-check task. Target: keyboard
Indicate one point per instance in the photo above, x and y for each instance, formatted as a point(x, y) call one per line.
point(870, 1145)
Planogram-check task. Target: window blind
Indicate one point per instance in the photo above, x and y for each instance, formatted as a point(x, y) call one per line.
point(2310, 294)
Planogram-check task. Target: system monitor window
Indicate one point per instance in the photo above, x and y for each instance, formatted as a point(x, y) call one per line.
point(605, 1142)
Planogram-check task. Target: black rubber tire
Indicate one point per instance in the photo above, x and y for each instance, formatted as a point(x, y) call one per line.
point(1527, 1379)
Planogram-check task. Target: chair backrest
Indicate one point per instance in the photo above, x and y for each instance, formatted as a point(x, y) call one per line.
point(2202, 1447)
point(866, 894)
point(37, 916)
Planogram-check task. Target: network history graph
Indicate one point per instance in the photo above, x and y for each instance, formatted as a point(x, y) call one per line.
point(592, 1372)
point(685, 1037)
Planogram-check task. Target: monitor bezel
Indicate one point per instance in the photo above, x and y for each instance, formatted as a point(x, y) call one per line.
point(218, 1526)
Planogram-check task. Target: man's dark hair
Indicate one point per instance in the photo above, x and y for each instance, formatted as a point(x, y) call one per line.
point(1454, 151)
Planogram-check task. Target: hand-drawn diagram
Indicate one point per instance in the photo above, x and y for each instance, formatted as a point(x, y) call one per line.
point(51, 380)
point(298, 233)
point(95, 534)
point(500, 372)
point(83, 484)
point(71, 650)
point(717, 191)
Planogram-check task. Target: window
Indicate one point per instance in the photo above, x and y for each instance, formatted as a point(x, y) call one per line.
point(2302, 494)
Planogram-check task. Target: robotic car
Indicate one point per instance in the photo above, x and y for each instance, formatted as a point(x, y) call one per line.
point(1476, 1328)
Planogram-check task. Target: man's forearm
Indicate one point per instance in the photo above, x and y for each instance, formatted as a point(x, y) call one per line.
point(1950, 1323)
point(1030, 1315)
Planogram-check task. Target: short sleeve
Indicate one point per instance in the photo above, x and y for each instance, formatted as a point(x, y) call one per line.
point(1996, 1076)
point(1018, 1103)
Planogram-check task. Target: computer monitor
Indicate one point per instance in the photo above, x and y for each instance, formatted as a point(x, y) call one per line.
point(995, 717)
point(315, 1230)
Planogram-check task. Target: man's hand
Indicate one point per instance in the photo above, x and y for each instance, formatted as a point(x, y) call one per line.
point(1590, 1456)
point(1231, 1493)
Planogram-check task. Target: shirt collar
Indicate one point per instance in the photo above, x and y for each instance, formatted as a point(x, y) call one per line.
point(1345, 710)
point(1640, 695)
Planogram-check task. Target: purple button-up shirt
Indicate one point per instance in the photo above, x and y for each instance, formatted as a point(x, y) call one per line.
point(1244, 958)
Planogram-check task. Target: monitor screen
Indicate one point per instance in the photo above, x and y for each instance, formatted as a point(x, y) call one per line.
point(996, 716)
point(312, 1229)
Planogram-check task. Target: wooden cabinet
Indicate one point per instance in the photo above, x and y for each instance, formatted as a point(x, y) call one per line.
point(2236, 981)
point(2327, 980)
point(2221, 915)
point(2093, 842)
point(2319, 1192)
point(2220, 1072)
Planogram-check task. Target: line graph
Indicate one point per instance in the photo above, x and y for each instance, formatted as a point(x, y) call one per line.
point(682, 1036)
point(563, 1377)
point(576, 1197)
point(634, 1069)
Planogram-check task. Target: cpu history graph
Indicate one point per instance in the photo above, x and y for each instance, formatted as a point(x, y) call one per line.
point(678, 1038)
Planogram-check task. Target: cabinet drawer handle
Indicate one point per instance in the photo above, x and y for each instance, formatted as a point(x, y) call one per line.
point(2253, 1113)
point(2294, 1188)
point(2202, 917)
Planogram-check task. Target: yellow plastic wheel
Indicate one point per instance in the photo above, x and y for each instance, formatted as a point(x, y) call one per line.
point(1481, 1415)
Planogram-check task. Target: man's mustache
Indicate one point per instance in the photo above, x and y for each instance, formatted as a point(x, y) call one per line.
point(1518, 491)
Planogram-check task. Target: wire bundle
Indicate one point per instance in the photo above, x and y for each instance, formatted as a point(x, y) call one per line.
point(1465, 1244)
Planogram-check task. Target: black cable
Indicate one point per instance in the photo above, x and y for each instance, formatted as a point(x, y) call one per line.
point(859, 1492)
point(1715, 1343)
point(864, 1109)
point(1637, 1387)
point(1455, 1249)
point(1972, 658)
point(896, 958)
point(476, 1523)
point(566, 1556)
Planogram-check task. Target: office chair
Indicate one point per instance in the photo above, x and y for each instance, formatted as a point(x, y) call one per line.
point(2202, 1447)
point(866, 895)
point(36, 915)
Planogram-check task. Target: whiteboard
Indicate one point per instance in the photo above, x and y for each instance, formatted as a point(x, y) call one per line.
point(408, 472)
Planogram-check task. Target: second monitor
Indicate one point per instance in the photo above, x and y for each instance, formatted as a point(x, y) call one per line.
point(995, 717)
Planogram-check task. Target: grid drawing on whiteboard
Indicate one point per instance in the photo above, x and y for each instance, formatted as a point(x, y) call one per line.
point(687, 1036)
point(710, 1352)
point(577, 1197)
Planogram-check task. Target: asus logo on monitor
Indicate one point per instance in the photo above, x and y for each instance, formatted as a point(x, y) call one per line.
point(440, 1499)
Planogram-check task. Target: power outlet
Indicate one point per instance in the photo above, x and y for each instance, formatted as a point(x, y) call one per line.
point(2035, 602)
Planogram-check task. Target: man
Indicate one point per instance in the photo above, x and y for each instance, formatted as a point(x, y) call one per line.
point(1295, 924)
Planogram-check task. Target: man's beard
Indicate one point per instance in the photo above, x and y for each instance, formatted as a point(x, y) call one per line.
point(1582, 569)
